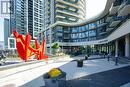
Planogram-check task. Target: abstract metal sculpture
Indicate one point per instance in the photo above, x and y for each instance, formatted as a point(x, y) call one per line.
point(24, 48)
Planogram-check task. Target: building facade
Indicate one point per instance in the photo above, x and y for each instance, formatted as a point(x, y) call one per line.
point(27, 16)
point(109, 32)
point(64, 11)
point(4, 23)
point(61, 11)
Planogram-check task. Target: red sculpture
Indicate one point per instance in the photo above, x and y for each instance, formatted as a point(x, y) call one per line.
point(25, 50)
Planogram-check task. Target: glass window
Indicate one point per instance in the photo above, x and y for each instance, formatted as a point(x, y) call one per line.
point(47, 32)
point(12, 43)
point(59, 34)
point(82, 28)
point(92, 25)
point(83, 35)
point(101, 21)
point(86, 33)
point(98, 22)
point(75, 30)
point(59, 29)
point(67, 30)
point(73, 36)
point(80, 35)
point(92, 33)
point(5, 7)
point(87, 27)
point(92, 38)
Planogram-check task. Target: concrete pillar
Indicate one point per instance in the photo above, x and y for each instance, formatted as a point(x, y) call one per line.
point(127, 46)
point(50, 42)
point(108, 48)
point(116, 49)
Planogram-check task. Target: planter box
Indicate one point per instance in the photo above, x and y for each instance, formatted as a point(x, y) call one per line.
point(59, 81)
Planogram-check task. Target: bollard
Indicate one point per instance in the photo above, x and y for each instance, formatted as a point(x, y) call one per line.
point(108, 57)
point(116, 61)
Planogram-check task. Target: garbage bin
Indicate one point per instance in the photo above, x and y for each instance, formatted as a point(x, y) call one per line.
point(59, 81)
point(86, 57)
point(80, 63)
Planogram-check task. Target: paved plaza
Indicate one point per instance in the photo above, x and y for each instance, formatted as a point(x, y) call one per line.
point(94, 73)
point(111, 78)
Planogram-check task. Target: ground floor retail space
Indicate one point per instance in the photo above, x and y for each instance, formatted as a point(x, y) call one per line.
point(119, 47)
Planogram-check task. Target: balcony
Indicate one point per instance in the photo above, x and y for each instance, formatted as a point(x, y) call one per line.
point(124, 9)
point(114, 9)
point(102, 24)
point(59, 16)
point(109, 29)
point(115, 21)
point(109, 19)
point(61, 6)
point(67, 12)
point(101, 33)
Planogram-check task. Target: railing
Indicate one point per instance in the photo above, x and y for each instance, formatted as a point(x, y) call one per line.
point(126, 2)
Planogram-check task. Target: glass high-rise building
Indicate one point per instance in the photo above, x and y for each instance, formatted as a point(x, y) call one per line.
point(27, 16)
point(64, 11)
point(61, 11)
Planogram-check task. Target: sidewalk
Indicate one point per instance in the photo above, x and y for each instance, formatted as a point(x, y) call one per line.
point(97, 73)
point(89, 67)
point(111, 78)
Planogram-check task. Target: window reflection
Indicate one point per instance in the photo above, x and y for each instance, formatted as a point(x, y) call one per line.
point(92, 33)
point(73, 36)
point(83, 33)
point(87, 27)
point(86, 34)
point(82, 29)
point(92, 25)
point(74, 30)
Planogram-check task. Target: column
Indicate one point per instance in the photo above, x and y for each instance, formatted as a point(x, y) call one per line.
point(116, 48)
point(108, 48)
point(50, 42)
point(127, 46)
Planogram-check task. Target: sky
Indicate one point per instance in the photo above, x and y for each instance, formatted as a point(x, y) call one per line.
point(93, 8)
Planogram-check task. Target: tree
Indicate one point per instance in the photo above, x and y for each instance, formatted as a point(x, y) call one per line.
point(32, 44)
point(55, 46)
